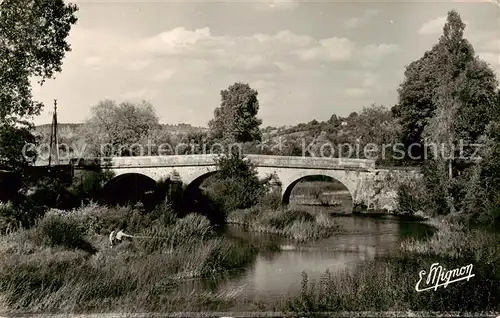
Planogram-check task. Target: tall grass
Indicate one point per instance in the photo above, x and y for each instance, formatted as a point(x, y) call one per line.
point(295, 224)
point(389, 284)
point(47, 268)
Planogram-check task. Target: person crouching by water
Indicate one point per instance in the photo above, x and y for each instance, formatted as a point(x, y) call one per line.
point(116, 237)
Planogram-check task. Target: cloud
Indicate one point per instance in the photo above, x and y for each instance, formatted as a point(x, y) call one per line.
point(143, 93)
point(365, 18)
point(137, 65)
point(279, 4)
point(355, 92)
point(368, 82)
point(199, 51)
point(93, 61)
point(434, 26)
point(164, 75)
point(377, 51)
point(492, 45)
point(331, 49)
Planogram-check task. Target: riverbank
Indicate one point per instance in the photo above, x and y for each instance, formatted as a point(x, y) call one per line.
point(389, 284)
point(44, 272)
point(298, 224)
point(66, 264)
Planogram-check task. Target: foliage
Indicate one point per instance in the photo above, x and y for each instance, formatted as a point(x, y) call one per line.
point(113, 129)
point(235, 120)
point(59, 230)
point(89, 185)
point(389, 284)
point(411, 199)
point(33, 45)
point(41, 268)
point(236, 184)
point(298, 225)
point(482, 198)
point(449, 97)
point(8, 219)
point(14, 152)
point(447, 88)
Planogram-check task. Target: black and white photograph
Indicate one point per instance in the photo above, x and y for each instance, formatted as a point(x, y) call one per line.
point(239, 158)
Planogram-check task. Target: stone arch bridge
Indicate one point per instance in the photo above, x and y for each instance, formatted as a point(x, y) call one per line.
point(368, 186)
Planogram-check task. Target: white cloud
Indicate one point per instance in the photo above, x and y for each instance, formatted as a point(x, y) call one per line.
point(352, 23)
point(164, 75)
point(376, 51)
point(492, 45)
point(365, 18)
point(434, 26)
point(199, 50)
point(279, 4)
point(331, 49)
point(93, 61)
point(355, 92)
point(137, 65)
point(143, 93)
point(369, 80)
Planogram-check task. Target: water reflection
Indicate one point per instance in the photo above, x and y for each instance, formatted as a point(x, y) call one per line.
point(277, 272)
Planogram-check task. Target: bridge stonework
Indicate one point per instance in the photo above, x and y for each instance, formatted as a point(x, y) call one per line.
point(368, 186)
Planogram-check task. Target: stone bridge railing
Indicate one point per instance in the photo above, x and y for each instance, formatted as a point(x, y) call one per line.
point(210, 160)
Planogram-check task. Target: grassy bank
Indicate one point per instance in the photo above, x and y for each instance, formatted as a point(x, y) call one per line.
point(65, 262)
point(296, 224)
point(389, 284)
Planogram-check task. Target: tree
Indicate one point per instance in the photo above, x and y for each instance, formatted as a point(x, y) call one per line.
point(33, 44)
point(449, 97)
point(235, 120)
point(113, 129)
point(12, 142)
point(448, 94)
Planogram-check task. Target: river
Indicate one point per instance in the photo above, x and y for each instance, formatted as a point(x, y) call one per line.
point(276, 273)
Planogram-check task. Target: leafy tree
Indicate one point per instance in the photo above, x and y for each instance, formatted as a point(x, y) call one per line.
point(33, 44)
point(450, 96)
point(12, 143)
point(451, 86)
point(235, 120)
point(113, 129)
point(236, 184)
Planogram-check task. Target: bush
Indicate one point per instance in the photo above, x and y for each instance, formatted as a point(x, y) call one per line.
point(8, 218)
point(59, 230)
point(188, 230)
point(411, 199)
point(235, 185)
point(89, 185)
point(271, 201)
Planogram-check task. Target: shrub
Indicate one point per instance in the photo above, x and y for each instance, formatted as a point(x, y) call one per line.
point(8, 217)
point(89, 185)
point(271, 200)
point(411, 199)
point(59, 230)
point(188, 230)
point(236, 184)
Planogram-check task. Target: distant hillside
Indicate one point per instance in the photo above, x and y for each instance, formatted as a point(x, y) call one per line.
point(68, 129)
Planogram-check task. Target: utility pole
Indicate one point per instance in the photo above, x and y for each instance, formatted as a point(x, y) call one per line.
point(53, 136)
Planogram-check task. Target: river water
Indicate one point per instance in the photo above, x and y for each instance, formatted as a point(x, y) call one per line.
point(277, 273)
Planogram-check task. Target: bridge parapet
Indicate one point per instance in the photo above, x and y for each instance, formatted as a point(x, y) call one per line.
point(311, 162)
point(210, 160)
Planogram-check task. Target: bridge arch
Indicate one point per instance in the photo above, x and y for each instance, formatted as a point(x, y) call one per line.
point(130, 188)
point(287, 191)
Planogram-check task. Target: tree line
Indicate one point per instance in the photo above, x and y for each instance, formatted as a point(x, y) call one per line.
point(449, 96)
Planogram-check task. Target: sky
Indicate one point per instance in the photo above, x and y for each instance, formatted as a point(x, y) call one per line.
point(307, 60)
